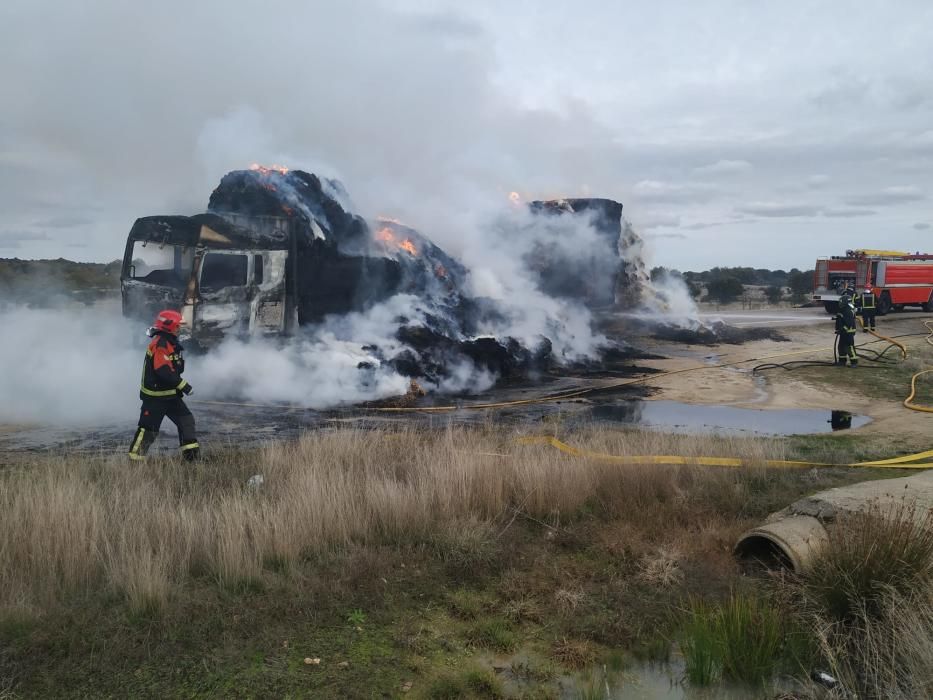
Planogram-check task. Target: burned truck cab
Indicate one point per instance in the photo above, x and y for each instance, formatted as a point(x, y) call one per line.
point(229, 275)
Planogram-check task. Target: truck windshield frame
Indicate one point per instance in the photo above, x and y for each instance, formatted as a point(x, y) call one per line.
point(160, 264)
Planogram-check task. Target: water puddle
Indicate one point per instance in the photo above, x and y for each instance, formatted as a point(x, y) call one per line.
point(527, 674)
point(679, 417)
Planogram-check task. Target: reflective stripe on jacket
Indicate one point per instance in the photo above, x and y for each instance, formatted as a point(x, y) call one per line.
point(162, 368)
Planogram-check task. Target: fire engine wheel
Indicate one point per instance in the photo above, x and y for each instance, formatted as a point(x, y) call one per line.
point(884, 303)
point(928, 307)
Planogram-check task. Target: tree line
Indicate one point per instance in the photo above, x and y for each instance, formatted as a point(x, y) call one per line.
point(727, 284)
point(38, 281)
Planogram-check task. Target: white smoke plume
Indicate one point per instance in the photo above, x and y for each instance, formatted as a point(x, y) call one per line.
point(327, 365)
point(82, 367)
point(499, 255)
point(68, 367)
point(662, 298)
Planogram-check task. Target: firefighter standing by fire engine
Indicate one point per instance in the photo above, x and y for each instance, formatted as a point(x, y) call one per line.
point(845, 330)
point(866, 304)
point(163, 388)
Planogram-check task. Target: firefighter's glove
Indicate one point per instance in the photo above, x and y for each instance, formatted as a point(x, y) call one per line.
point(186, 389)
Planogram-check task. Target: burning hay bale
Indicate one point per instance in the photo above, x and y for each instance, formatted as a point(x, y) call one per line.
point(281, 253)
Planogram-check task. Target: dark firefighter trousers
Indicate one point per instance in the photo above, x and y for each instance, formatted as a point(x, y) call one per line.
point(847, 348)
point(868, 319)
point(150, 420)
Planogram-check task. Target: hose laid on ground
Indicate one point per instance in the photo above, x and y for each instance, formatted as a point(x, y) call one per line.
point(891, 340)
point(909, 401)
point(912, 461)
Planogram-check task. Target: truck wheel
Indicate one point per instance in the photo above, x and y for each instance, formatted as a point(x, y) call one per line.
point(884, 303)
point(928, 307)
point(831, 306)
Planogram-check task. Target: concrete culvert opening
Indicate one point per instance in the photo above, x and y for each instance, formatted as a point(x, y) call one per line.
point(763, 552)
point(791, 538)
point(783, 542)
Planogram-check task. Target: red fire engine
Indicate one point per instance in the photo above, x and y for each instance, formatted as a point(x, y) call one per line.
point(898, 279)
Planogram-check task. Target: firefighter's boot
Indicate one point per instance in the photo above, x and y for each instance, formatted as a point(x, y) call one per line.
point(142, 441)
point(191, 453)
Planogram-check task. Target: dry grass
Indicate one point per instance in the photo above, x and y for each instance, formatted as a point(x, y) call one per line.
point(71, 527)
point(871, 598)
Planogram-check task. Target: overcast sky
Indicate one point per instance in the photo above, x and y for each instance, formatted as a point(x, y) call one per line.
point(735, 132)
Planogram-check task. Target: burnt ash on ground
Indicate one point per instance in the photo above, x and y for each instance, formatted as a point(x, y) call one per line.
point(717, 333)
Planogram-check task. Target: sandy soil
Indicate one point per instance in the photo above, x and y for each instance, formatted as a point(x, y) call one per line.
point(737, 386)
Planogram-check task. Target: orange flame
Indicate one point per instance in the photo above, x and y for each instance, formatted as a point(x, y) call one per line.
point(269, 169)
point(515, 198)
point(386, 235)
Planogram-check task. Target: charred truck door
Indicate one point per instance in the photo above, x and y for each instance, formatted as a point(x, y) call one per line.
point(239, 293)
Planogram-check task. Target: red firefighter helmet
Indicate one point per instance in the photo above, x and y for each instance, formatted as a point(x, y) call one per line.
point(168, 321)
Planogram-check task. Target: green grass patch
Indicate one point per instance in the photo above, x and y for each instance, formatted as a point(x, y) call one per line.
point(699, 645)
point(493, 633)
point(742, 639)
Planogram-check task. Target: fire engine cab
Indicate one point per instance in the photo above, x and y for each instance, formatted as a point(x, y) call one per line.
point(898, 279)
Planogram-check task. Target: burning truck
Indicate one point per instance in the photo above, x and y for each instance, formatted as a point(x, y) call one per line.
point(279, 250)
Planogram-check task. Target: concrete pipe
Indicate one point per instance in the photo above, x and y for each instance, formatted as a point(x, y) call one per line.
point(791, 537)
point(788, 542)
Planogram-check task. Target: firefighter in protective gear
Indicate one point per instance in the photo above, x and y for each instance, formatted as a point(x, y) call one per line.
point(163, 388)
point(845, 330)
point(865, 303)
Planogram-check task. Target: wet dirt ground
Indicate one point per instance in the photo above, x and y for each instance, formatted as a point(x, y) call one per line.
point(637, 393)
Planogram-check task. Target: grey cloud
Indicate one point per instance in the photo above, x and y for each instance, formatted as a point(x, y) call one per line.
point(658, 191)
point(922, 226)
point(844, 91)
point(677, 236)
point(652, 220)
point(724, 167)
point(779, 209)
point(701, 225)
point(21, 236)
point(848, 213)
point(64, 221)
point(435, 115)
point(888, 196)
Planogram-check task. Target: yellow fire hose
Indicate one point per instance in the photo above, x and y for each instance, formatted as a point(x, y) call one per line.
point(892, 341)
point(905, 462)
